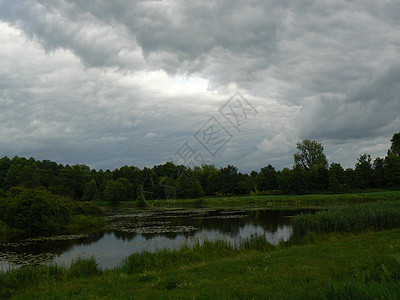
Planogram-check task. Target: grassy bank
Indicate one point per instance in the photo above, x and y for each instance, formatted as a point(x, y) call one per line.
point(364, 266)
point(345, 252)
point(272, 201)
point(353, 218)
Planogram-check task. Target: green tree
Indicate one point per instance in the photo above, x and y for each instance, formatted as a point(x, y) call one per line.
point(167, 170)
point(392, 170)
point(253, 180)
point(267, 179)
point(140, 198)
point(292, 181)
point(90, 191)
point(118, 190)
point(207, 174)
point(5, 164)
point(283, 179)
point(297, 182)
point(350, 178)
point(26, 176)
point(363, 171)
point(336, 176)
point(150, 182)
point(244, 185)
point(12, 177)
point(188, 186)
point(378, 173)
point(227, 179)
point(133, 174)
point(395, 146)
point(317, 178)
point(310, 153)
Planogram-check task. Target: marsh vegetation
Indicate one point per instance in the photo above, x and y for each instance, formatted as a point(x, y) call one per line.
point(129, 230)
point(333, 265)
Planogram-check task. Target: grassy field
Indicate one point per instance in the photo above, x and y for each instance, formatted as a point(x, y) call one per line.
point(273, 201)
point(332, 266)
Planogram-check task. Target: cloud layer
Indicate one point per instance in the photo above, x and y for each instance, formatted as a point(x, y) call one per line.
point(109, 83)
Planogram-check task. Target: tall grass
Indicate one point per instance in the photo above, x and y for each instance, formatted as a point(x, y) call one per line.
point(379, 278)
point(31, 276)
point(351, 218)
point(149, 261)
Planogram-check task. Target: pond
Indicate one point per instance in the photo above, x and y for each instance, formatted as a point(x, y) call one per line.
point(129, 231)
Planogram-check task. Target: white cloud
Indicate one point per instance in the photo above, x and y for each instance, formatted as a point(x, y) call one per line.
point(126, 83)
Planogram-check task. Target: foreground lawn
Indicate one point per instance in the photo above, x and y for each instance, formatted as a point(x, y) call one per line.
point(341, 266)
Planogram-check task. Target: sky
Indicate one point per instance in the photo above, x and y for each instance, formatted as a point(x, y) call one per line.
point(109, 83)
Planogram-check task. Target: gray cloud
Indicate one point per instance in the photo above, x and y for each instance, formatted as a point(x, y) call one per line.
point(113, 82)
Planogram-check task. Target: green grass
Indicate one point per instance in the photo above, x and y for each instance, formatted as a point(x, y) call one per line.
point(150, 261)
point(34, 276)
point(334, 266)
point(350, 218)
point(272, 201)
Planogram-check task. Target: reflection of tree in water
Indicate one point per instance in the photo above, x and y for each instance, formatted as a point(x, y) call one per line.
point(170, 235)
point(128, 236)
point(222, 221)
point(123, 235)
point(232, 223)
point(58, 246)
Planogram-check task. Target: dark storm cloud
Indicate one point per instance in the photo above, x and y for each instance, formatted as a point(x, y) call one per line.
point(113, 73)
point(369, 108)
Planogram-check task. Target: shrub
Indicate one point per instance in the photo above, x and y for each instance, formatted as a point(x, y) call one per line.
point(85, 208)
point(35, 210)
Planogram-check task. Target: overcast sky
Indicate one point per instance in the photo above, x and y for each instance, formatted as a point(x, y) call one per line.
point(110, 83)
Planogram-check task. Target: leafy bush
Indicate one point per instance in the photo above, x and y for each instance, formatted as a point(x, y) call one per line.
point(35, 210)
point(85, 208)
point(354, 218)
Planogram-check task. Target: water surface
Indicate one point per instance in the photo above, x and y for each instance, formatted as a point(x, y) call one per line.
point(129, 231)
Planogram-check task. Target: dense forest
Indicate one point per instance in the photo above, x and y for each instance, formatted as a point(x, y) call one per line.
point(311, 173)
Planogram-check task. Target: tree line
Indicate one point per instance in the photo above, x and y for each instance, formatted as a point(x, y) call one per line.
point(310, 173)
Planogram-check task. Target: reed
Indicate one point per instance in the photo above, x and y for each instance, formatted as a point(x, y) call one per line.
point(350, 218)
